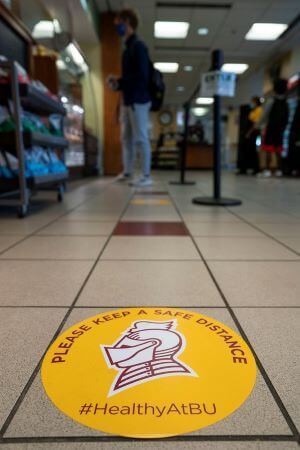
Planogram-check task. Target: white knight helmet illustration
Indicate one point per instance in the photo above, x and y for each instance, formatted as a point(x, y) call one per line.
point(147, 350)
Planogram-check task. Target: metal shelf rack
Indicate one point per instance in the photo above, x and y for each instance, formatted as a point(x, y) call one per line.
point(31, 99)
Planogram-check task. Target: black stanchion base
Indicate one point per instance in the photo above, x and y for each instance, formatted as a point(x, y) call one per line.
point(178, 183)
point(211, 201)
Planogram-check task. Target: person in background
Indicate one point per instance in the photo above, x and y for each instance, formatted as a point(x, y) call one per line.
point(252, 160)
point(274, 121)
point(134, 85)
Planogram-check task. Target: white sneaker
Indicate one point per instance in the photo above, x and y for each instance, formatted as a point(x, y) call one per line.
point(265, 174)
point(278, 173)
point(142, 182)
point(123, 177)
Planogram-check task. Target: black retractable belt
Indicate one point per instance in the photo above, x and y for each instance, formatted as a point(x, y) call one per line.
point(217, 199)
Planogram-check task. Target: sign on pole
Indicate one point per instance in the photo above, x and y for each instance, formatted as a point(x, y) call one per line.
point(218, 83)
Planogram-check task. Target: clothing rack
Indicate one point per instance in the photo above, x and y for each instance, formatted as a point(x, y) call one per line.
point(18, 190)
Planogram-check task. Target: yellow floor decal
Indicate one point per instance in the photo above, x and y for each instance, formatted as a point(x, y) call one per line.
point(148, 373)
point(151, 201)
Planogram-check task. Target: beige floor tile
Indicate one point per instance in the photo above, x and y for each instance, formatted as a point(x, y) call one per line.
point(37, 416)
point(210, 217)
point(24, 336)
point(151, 213)
point(274, 334)
point(293, 243)
point(281, 229)
point(174, 217)
point(156, 445)
point(57, 247)
point(229, 248)
point(72, 228)
point(37, 283)
point(253, 283)
point(21, 227)
point(92, 216)
point(150, 283)
point(7, 241)
point(270, 218)
point(221, 229)
point(150, 247)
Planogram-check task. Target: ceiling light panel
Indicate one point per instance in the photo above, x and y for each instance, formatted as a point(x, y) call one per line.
point(167, 67)
point(200, 111)
point(202, 31)
point(235, 68)
point(265, 31)
point(171, 30)
point(204, 101)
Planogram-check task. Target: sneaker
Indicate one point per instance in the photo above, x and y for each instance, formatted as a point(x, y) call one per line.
point(265, 174)
point(142, 182)
point(123, 177)
point(278, 173)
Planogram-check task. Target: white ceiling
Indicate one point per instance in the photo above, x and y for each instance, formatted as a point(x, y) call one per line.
point(227, 29)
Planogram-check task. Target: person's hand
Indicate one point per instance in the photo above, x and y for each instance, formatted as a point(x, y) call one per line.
point(112, 82)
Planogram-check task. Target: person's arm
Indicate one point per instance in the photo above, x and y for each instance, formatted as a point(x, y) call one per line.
point(265, 115)
point(142, 59)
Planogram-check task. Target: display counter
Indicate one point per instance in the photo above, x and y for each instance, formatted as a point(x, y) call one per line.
point(199, 156)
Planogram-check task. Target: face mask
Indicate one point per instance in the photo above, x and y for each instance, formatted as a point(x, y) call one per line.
point(121, 29)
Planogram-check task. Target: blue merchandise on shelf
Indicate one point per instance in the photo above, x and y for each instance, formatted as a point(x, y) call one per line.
point(56, 165)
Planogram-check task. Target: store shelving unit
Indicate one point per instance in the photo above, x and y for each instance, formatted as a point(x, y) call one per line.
point(17, 191)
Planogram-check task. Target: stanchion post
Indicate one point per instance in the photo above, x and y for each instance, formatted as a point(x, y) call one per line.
point(185, 141)
point(217, 62)
point(217, 199)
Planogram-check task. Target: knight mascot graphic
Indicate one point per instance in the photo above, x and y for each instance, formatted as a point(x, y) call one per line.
point(147, 350)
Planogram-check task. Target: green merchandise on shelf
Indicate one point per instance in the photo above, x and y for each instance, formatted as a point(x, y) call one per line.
point(7, 126)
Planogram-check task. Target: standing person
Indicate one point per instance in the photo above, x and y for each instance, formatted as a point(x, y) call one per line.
point(274, 120)
point(134, 85)
point(252, 160)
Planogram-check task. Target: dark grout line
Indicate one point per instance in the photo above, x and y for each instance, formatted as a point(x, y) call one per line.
point(38, 230)
point(263, 232)
point(148, 306)
point(151, 260)
point(46, 260)
point(56, 334)
point(267, 380)
point(179, 438)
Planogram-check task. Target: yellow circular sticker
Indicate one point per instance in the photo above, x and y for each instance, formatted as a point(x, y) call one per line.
point(148, 373)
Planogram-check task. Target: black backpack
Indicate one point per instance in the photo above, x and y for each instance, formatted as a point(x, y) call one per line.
point(157, 88)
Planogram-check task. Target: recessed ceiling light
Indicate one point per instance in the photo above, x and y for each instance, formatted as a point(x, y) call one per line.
point(188, 68)
point(180, 88)
point(166, 67)
point(44, 29)
point(171, 30)
point(204, 101)
point(200, 111)
point(235, 68)
point(265, 31)
point(202, 31)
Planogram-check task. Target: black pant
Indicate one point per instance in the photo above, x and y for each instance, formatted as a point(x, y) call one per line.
point(251, 159)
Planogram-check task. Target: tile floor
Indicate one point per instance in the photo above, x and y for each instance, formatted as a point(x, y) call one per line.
point(109, 246)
